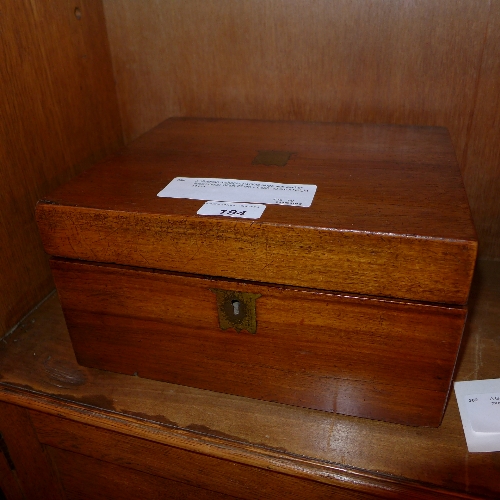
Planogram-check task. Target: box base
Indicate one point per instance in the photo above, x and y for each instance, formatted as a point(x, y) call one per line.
point(355, 355)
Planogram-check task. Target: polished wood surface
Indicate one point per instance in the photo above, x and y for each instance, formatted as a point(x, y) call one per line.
point(59, 114)
point(379, 61)
point(389, 218)
point(38, 371)
point(352, 355)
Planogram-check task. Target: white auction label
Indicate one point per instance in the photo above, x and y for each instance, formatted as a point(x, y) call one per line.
point(195, 188)
point(477, 398)
point(228, 209)
point(484, 411)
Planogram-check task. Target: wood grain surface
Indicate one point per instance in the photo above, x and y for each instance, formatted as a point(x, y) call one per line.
point(482, 155)
point(357, 356)
point(32, 465)
point(192, 475)
point(389, 218)
point(421, 63)
point(59, 114)
point(39, 371)
point(84, 478)
point(9, 485)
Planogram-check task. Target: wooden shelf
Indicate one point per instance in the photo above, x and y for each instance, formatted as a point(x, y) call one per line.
point(85, 420)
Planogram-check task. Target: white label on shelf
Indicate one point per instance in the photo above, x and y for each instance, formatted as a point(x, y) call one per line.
point(229, 209)
point(195, 188)
point(484, 411)
point(480, 413)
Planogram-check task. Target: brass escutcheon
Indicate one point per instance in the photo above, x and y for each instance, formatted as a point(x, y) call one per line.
point(237, 310)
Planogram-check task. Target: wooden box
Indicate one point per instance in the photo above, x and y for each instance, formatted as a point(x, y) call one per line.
point(354, 305)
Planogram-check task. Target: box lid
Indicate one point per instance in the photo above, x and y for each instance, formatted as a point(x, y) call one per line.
point(389, 218)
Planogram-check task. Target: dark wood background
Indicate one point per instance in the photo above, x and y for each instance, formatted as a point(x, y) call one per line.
point(381, 61)
point(58, 114)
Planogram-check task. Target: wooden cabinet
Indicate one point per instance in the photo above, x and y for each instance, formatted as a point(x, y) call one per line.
point(74, 432)
point(79, 82)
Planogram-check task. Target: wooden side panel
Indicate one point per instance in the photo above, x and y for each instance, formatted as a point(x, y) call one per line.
point(32, 464)
point(137, 462)
point(59, 113)
point(482, 156)
point(357, 356)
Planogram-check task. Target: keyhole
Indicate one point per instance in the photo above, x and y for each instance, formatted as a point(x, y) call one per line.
point(236, 307)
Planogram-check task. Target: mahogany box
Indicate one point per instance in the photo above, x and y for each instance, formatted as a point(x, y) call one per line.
point(355, 304)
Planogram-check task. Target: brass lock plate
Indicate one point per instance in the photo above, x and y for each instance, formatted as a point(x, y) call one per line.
point(237, 310)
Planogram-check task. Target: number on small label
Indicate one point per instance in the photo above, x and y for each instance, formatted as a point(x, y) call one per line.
point(232, 212)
